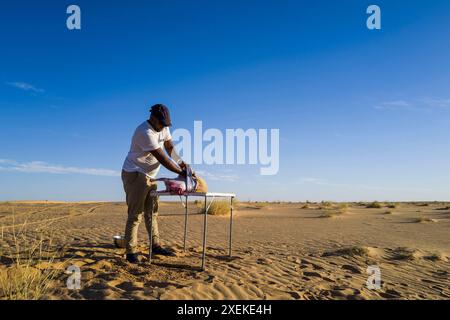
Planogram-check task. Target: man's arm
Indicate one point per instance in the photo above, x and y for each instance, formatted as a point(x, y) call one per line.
point(168, 145)
point(161, 156)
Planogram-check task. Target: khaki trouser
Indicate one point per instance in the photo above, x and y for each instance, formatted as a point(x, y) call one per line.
point(137, 188)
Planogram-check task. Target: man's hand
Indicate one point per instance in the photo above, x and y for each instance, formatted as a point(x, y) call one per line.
point(182, 165)
point(161, 156)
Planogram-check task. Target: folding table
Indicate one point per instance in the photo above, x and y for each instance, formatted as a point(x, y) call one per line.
point(212, 195)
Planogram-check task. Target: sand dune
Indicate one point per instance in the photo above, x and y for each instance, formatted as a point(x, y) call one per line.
point(281, 251)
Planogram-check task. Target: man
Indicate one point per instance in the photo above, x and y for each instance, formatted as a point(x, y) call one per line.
point(140, 167)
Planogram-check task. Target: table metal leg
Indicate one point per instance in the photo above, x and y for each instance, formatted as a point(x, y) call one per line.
point(150, 249)
point(231, 226)
point(185, 222)
point(205, 225)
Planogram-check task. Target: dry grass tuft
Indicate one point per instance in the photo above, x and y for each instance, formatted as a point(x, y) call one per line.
point(356, 251)
point(21, 278)
point(325, 205)
point(422, 220)
point(374, 205)
point(333, 212)
point(218, 208)
point(422, 204)
point(328, 214)
point(403, 253)
point(436, 257)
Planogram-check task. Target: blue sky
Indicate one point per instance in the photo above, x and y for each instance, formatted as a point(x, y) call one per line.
point(363, 115)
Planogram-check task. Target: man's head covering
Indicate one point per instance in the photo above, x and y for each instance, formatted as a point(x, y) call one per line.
point(161, 112)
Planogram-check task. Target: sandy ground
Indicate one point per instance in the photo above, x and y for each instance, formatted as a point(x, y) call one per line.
point(281, 251)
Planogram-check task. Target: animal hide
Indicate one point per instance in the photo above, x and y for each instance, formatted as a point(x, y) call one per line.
point(180, 185)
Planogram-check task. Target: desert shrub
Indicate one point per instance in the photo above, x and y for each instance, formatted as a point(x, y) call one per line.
point(218, 208)
point(435, 257)
point(422, 204)
point(374, 205)
point(403, 253)
point(333, 212)
point(351, 252)
point(326, 204)
point(361, 204)
point(261, 205)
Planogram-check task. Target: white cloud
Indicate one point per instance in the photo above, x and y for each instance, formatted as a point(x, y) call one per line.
point(417, 104)
point(397, 104)
point(436, 103)
point(25, 86)
point(218, 177)
point(43, 167)
point(310, 180)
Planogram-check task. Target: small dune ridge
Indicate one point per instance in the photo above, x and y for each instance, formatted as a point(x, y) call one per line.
point(403, 253)
point(410, 254)
point(329, 210)
point(423, 220)
point(355, 251)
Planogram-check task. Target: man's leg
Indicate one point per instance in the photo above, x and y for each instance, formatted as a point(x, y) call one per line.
point(151, 210)
point(136, 190)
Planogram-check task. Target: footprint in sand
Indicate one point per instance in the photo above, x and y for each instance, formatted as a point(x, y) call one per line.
point(328, 279)
point(296, 295)
point(312, 274)
point(264, 261)
point(234, 266)
point(101, 294)
point(352, 269)
point(390, 294)
point(131, 286)
point(429, 281)
point(342, 292)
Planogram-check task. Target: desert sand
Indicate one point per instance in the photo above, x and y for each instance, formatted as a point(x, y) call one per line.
point(281, 251)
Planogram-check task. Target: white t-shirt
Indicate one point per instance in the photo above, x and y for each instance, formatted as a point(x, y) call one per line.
point(145, 139)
